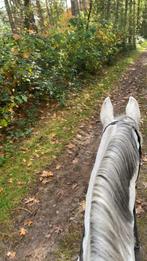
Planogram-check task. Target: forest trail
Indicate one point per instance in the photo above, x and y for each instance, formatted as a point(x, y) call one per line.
point(55, 219)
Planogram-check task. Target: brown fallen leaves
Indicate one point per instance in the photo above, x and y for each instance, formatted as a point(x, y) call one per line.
point(141, 206)
point(70, 146)
point(144, 158)
point(58, 167)
point(11, 254)
point(75, 161)
point(46, 176)
point(22, 232)
point(31, 201)
point(28, 223)
point(145, 185)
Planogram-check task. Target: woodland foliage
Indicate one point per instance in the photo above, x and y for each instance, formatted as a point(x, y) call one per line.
point(47, 47)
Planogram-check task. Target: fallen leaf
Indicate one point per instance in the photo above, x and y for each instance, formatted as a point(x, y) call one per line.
point(48, 236)
point(31, 201)
point(16, 37)
point(54, 115)
point(28, 223)
point(75, 161)
point(11, 254)
point(145, 184)
point(69, 151)
point(20, 183)
point(79, 136)
point(29, 163)
point(139, 210)
point(46, 174)
point(10, 181)
point(45, 181)
point(144, 158)
point(14, 50)
point(58, 166)
point(74, 186)
point(53, 135)
point(58, 229)
point(1, 190)
point(36, 155)
point(54, 141)
point(83, 205)
point(22, 232)
point(70, 146)
point(60, 193)
point(138, 201)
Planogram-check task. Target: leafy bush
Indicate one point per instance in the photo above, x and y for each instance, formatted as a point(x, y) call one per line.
point(33, 65)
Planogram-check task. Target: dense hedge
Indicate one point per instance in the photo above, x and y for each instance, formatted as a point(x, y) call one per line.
point(33, 65)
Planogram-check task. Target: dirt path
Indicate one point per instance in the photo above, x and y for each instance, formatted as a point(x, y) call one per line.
point(53, 214)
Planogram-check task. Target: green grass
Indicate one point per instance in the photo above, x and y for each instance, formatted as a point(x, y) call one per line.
point(49, 138)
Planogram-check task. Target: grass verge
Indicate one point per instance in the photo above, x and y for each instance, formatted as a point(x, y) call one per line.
point(49, 138)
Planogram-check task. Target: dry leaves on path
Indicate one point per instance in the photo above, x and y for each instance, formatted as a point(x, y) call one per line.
point(145, 185)
point(70, 146)
point(139, 207)
point(28, 223)
point(144, 158)
point(46, 176)
point(75, 161)
point(11, 255)
point(31, 201)
point(22, 231)
point(58, 167)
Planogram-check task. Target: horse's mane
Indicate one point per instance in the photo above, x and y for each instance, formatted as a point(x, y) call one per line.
point(110, 219)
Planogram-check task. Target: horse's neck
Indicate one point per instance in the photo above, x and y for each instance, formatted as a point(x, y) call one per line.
point(101, 151)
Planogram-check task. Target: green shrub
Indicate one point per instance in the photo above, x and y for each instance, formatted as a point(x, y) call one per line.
point(33, 65)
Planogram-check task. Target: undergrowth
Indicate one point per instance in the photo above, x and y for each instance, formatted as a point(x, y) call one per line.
point(34, 66)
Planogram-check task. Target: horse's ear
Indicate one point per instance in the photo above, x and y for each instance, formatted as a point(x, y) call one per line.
point(106, 114)
point(132, 109)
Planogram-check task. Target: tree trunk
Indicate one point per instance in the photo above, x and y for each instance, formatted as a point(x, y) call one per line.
point(9, 13)
point(29, 20)
point(117, 13)
point(89, 14)
point(85, 5)
point(40, 14)
point(126, 14)
point(130, 22)
point(134, 24)
point(74, 7)
point(138, 14)
point(48, 12)
point(108, 11)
